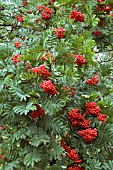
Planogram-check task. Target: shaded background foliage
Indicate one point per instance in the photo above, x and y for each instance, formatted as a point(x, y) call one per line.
point(28, 143)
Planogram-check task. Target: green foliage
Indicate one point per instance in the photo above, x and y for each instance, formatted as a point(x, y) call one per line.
point(24, 108)
point(5, 51)
point(18, 93)
point(41, 137)
point(55, 151)
point(94, 164)
point(108, 165)
point(12, 165)
point(32, 155)
point(106, 134)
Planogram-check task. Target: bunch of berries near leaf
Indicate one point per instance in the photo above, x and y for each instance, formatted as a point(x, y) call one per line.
point(93, 81)
point(48, 87)
point(38, 112)
point(16, 58)
point(76, 16)
point(41, 71)
point(45, 12)
point(59, 32)
point(80, 60)
point(93, 109)
point(71, 153)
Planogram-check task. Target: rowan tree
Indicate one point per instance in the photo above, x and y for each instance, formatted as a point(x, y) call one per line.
point(56, 89)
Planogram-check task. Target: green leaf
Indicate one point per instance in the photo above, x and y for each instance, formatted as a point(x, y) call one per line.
point(94, 164)
point(24, 108)
point(41, 137)
point(56, 152)
point(32, 157)
point(108, 165)
point(12, 165)
point(18, 93)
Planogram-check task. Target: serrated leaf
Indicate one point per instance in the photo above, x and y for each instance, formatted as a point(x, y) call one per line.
point(32, 157)
point(24, 108)
point(41, 137)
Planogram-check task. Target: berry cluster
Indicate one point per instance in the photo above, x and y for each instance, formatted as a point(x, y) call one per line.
point(17, 44)
point(106, 8)
point(41, 71)
point(88, 134)
point(102, 117)
point(97, 33)
point(48, 87)
point(24, 3)
point(76, 16)
point(93, 109)
point(38, 112)
point(45, 12)
point(77, 119)
point(19, 18)
point(71, 153)
point(76, 168)
point(16, 58)
point(100, 0)
point(92, 81)
point(48, 56)
point(59, 32)
point(79, 60)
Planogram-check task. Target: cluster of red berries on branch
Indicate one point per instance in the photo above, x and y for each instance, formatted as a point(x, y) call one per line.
point(105, 7)
point(41, 71)
point(59, 32)
point(16, 58)
point(20, 18)
point(88, 134)
point(97, 33)
point(48, 87)
point(45, 12)
point(17, 44)
point(77, 119)
point(93, 109)
point(38, 112)
point(71, 153)
point(76, 16)
point(100, 0)
point(93, 81)
point(24, 3)
point(80, 60)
